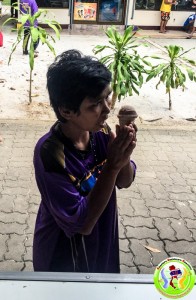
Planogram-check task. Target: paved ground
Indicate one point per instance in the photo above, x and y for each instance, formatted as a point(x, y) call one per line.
point(159, 210)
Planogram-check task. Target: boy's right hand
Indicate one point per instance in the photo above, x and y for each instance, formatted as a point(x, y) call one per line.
point(120, 147)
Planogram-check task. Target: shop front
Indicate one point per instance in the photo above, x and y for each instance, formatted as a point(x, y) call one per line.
point(141, 13)
point(89, 11)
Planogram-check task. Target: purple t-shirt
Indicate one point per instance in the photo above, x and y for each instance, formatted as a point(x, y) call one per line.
point(64, 177)
point(25, 5)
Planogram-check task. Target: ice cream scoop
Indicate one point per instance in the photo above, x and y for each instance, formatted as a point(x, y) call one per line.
point(127, 115)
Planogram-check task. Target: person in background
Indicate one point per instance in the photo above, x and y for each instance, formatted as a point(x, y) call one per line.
point(78, 165)
point(14, 11)
point(193, 25)
point(28, 6)
point(189, 23)
point(165, 13)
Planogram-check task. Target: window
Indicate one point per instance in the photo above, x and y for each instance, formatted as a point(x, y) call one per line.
point(183, 5)
point(111, 11)
point(53, 3)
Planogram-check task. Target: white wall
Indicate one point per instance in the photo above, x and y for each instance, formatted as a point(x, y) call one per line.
point(140, 17)
point(152, 18)
point(60, 15)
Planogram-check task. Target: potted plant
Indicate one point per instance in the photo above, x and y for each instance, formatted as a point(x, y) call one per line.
point(172, 72)
point(35, 33)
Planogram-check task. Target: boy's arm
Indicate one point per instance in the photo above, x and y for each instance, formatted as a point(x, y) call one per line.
point(119, 151)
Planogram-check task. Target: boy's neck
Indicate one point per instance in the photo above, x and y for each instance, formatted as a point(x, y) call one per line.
point(79, 138)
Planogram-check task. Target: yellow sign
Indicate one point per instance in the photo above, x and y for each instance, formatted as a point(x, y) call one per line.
point(85, 11)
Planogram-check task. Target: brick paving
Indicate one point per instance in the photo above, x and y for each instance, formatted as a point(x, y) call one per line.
point(158, 210)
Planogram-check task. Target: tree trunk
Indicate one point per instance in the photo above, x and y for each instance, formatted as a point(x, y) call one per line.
point(170, 101)
point(30, 87)
point(114, 97)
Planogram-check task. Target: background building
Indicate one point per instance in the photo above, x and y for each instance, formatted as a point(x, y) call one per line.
point(141, 13)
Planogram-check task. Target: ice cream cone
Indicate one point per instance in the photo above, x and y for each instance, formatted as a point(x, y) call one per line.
point(127, 115)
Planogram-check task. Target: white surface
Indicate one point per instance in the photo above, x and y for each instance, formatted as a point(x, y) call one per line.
point(38, 290)
point(151, 104)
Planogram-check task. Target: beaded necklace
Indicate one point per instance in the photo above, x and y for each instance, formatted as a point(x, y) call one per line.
point(91, 148)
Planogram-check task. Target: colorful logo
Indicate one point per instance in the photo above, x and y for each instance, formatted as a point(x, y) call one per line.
point(174, 277)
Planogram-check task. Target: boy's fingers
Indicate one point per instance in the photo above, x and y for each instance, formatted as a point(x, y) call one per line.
point(117, 129)
point(112, 137)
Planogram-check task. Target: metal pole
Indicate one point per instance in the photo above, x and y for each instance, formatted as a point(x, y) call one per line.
point(71, 14)
point(133, 10)
point(127, 13)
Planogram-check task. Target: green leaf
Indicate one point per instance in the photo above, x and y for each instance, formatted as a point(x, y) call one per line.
point(168, 82)
point(34, 34)
point(135, 90)
point(56, 30)
point(128, 35)
point(172, 83)
point(158, 84)
point(37, 15)
point(187, 51)
point(8, 20)
point(50, 47)
point(155, 57)
point(117, 88)
point(147, 63)
point(99, 48)
point(192, 62)
point(110, 32)
point(120, 75)
point(42, 35)
point(181, 76)
point(106, 59)
point(164, 74)
point(24, 18)
point(150, 76)
point(123, 90)
point(190, 73)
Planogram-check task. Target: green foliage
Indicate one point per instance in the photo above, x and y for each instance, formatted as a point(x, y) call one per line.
point(172, 73)
point(124, 62)
point(35, 34)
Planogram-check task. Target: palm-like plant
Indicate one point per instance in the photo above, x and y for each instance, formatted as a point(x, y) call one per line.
point(171, 73)
point(124, 62)
point(35, 33)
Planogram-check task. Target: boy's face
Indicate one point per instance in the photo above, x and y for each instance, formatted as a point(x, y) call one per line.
point(93, 112)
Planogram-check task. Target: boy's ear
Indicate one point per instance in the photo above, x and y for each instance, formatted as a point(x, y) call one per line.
point(65, 113)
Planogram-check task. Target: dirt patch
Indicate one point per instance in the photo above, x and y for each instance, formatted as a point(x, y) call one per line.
point(38, 110)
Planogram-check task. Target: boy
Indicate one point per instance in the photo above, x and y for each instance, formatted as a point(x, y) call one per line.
point(78, 164)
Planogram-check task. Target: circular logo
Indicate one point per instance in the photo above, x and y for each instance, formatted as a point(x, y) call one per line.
point(174, 277)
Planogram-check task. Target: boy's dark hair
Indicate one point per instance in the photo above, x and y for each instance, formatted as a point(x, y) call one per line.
point(74, 76)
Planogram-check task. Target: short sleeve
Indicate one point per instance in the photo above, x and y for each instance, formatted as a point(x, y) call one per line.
point(65, 204)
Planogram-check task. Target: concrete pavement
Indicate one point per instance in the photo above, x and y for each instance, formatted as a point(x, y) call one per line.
point(159, 210)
